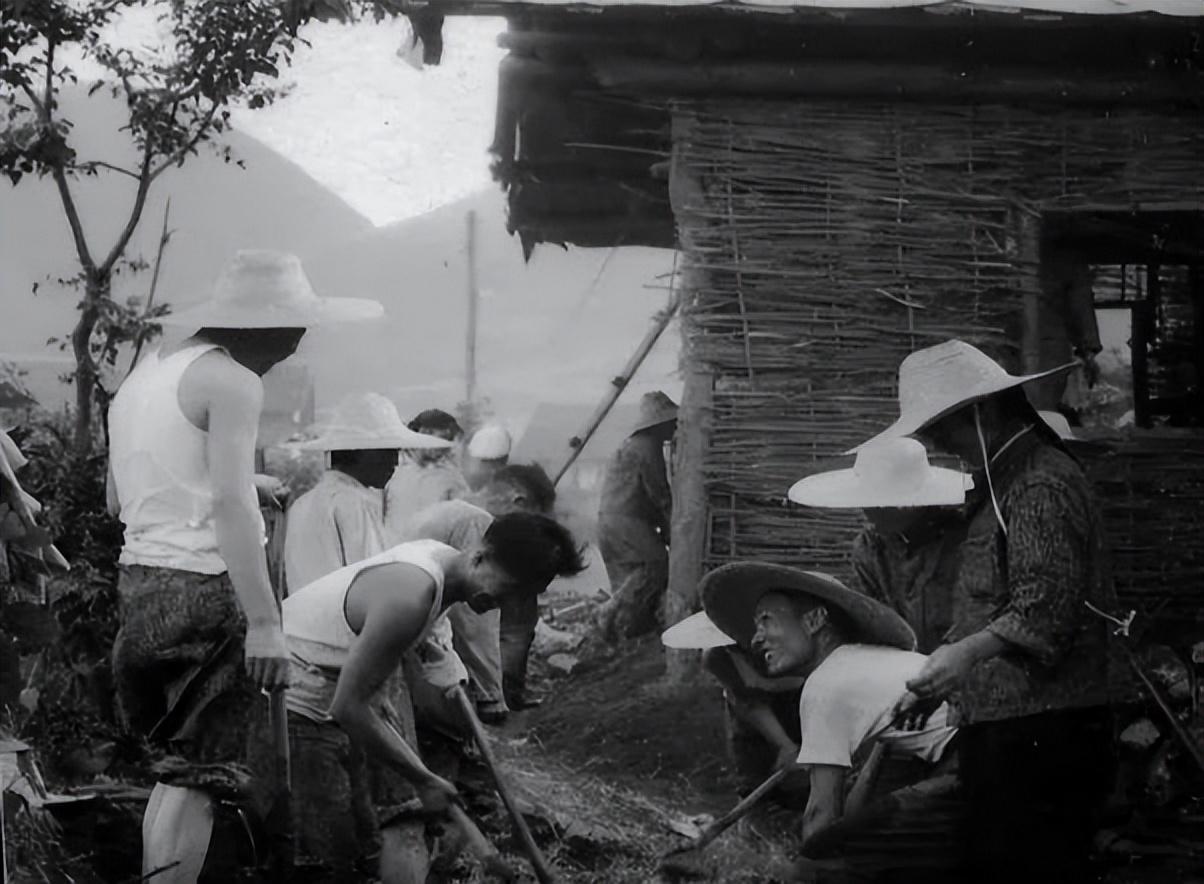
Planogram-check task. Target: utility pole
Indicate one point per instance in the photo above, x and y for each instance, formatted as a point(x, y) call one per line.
point(474, 297)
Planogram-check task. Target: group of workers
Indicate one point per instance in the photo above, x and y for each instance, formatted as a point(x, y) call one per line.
point(972, 632)
point(973, 649)
point(395, 569)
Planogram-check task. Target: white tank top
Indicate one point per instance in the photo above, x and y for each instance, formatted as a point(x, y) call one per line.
point(318, 634)
point(161, 469)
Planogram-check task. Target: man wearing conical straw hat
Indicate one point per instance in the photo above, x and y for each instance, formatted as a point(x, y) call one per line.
point(200, 633)
point(907, 555)
point(341, 520)
point(1028, 660)
point(633, 522)
point(854, 655)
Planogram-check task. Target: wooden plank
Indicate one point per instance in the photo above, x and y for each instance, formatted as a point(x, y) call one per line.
point(891, 81)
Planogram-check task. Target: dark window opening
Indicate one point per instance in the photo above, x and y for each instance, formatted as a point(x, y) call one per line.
point(1148, 297)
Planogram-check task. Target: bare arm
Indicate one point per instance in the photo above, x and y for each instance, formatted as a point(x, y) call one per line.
point(749, 705)
point(392, 622)
point(826, 802)
point(234, 398)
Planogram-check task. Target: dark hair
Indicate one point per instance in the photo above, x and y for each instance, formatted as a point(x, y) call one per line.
point(534, 482)
point(434, 420)
point(533, 549)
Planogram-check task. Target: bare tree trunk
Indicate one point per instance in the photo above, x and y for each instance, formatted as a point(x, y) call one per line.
point(85, 367)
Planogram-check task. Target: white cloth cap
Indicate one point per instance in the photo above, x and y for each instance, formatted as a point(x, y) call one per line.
point(491, 442)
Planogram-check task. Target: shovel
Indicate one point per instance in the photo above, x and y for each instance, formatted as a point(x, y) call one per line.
point(725, 822)
point(542, 872)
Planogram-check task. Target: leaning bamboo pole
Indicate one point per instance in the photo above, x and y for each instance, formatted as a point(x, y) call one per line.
point(618, 384)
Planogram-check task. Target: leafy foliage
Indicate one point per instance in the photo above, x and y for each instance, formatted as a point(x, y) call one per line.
point(74, 705)
point(219, 52)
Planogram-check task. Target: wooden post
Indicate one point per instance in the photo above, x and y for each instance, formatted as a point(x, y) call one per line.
point(691, 511)
point(474, 297)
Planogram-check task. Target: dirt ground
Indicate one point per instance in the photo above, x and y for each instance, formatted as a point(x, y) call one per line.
point(617, 760)
point(621, 760)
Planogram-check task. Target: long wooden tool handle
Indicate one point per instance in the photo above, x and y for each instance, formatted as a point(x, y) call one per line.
point(747, 803)
point(866, 779)
point(283, 804)
point(542, 871)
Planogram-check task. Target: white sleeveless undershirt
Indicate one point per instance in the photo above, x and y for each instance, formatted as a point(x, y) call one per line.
point(318, 634)
point(160, 467)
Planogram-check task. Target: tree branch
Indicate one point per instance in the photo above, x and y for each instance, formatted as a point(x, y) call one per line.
point(144, 182)
point(45, 107)
point(92, 165)
point(191, 143)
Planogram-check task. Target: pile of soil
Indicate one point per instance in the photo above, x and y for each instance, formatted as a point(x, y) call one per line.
point(621, 719)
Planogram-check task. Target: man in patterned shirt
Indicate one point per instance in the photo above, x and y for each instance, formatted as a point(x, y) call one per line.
point(1027, 663)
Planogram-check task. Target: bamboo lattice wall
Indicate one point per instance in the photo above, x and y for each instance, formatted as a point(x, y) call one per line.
point(828, 240)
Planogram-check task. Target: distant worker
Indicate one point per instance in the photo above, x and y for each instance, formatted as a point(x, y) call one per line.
point(424, 476)
point(494, 646)
point(633, 523)
point(200, 633)
point(341, 520)
point(488, 452)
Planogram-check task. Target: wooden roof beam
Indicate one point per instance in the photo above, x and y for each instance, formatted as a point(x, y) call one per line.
point(832, 79)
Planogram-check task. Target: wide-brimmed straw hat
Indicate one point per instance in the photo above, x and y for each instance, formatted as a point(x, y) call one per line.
point(887, 473)
point(655, 409)
point(265, 289)
point(1057, 422)
point(730, 595)
point(696, 633)
point(940, 379)
point(367, 421)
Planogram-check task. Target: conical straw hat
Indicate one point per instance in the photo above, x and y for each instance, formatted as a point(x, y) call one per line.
point(1057, 422)
point(655, 408)
point(730, 594)
point(265, 289)
point(887, 473)
point(940, 379)
point(367, 421)
point(696, 633)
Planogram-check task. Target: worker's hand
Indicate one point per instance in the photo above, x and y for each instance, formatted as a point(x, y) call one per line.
point(912, 714)
point(944, 671)
point(266, 656)
point(436, 794)
point(271, 491)
point(787, 757)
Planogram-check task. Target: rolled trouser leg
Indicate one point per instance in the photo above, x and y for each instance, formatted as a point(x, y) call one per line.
point(176, 829)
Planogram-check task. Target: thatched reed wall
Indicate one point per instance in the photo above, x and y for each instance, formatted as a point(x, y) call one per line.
point(824, 241)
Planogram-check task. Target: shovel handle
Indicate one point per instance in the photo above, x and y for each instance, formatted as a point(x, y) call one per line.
point(747, 803)
point(542, 872)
